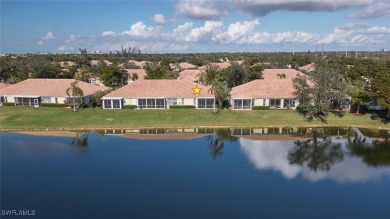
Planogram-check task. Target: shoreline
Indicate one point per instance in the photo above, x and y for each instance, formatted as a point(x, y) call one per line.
point(183, 127)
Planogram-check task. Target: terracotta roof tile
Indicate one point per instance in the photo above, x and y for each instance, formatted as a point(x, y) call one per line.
point(190, 75)
point(308, 67)
point(160, 88)
point(140, 72)
point(270, 87)
point(48, 87)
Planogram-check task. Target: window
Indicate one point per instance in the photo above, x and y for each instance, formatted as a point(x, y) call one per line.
point(46, 99)
point(264, 101)
point(107, 104)
point(141, 103)
point(160, 103)
point(242, 104)
point(116, 104)
point(205, 103)
point(151, 103)
point(25, 101)
point(275, 103)
point(288, 103)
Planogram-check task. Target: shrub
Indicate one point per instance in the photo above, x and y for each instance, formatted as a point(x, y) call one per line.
point(8, 104)
point(260, 108)
point(52, 105)
point(129, 106)
point(182, 107)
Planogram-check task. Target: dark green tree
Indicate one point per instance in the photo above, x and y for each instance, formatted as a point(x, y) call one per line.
point(113, 76)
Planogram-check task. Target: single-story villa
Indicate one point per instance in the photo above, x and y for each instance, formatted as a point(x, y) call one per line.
point(33, 92)
point(274, 90)
point(160, 94)
point(261, 92)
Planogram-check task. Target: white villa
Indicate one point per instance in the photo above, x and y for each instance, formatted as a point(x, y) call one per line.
point(160, 94)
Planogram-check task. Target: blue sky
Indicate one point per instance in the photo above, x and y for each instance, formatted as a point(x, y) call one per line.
point(185, 26)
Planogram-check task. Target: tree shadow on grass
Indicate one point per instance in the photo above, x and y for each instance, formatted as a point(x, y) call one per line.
point(310, 115)
point(379, 115)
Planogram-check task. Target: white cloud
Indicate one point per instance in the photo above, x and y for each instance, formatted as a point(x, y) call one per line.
point(238, 31)
point(377, 9)
point(159, 19)
point(265, 155)
point(204, 33)
point(359, 34)
point(139, 29)
point(49, 36)
point(215, 36)
point(109, 34)
point(40, 42)
point(202, 9)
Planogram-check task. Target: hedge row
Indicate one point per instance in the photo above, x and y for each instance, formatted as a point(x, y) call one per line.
point(182, 107)
point(52, 105)
point(129, 106)
point(8, 104)
point(260, 108)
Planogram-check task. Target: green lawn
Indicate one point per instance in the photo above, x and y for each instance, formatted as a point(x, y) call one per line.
point(57, 118)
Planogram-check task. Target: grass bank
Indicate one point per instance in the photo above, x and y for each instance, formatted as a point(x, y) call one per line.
point(91, 118)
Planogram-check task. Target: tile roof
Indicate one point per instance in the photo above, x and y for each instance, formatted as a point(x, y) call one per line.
point(97, 62)
point(273, 73)
point(190, 74)
point(269, 87)
point(308, 67)
point(67, 64)
point(160, 88)
point(48, 87)
point(140, 72)
point(4, 85)
point(186, 65)
point(139, 64)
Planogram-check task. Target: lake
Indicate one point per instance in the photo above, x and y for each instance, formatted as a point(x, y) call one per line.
point(197, 173)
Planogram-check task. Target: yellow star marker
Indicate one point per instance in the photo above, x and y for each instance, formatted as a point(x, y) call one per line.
point(197, 90)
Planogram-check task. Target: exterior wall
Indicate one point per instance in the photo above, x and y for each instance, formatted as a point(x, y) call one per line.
point(130, 101)
point(189, 101)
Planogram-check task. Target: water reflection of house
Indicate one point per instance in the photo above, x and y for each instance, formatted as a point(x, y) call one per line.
point(33, 92)
point(158, 133)
point(159, 94)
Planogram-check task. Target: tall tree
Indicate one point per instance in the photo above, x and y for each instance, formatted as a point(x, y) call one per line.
point(380, 86)
point(327, 89)
point(113, 76)
point(76, 93)
point(220, 91)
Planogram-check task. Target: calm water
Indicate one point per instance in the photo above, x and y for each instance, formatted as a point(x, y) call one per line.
point(254, 173)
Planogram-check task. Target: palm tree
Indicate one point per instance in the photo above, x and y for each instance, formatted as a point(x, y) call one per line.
point(220, 91)
point(75, 91)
